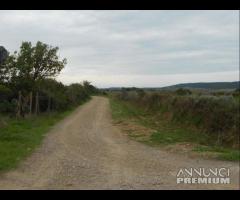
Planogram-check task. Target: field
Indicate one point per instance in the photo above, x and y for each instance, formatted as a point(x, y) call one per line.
point(207, 126)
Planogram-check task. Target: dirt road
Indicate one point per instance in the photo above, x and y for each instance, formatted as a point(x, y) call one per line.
point(85, 151)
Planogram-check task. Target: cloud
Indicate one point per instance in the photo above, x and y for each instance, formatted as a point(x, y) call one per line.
point(105, 45)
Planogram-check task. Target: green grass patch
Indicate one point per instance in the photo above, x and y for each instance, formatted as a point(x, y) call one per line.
point(177, 135)
point(123, 110)
point(223, 153)
point(19, 137)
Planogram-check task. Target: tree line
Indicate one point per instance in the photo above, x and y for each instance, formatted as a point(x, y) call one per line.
point(28, 85)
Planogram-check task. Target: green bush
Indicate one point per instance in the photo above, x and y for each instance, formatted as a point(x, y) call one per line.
point(6, 104)
point(62, 97)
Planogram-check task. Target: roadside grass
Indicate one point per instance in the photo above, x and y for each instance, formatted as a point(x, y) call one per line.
point(122, 110)
point(19, 137)
point(176, 135)
point(168, 133)
point(222, 153)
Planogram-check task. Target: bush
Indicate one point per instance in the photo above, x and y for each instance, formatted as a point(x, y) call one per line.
point(236, 93)
point(216, 115)
point(6, 104)
point(5, 93)
point(77, 94)
point(8, 107)
point(182, 91)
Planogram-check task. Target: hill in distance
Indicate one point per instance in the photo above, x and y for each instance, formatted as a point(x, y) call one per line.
point(208, 85)
point(201, 85)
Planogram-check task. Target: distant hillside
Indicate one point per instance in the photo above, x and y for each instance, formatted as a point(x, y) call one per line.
point(207, 86)
point(211, 85)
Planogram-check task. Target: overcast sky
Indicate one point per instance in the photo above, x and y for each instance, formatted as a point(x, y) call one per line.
point(133, 48)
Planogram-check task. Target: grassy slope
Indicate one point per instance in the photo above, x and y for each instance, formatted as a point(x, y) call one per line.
point(19, 137)
point(169, 133)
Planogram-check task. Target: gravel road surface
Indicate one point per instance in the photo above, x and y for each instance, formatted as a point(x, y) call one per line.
point(86, 151)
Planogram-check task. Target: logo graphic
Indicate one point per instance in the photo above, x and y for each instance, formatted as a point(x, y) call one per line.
point(203, 176)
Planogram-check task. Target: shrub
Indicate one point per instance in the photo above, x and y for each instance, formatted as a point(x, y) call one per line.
point(216, 115)
point(5, 92)
point(236, 93)
point(182, 91)
point(8, 107)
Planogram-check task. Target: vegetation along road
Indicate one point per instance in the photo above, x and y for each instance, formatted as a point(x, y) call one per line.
point(86, 151)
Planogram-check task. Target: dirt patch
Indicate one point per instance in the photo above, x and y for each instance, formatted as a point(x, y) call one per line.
point(141, 133)
point(180, 147)
point(134, 130)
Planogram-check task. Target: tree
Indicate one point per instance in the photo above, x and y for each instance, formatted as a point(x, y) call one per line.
point(53, 95)
point(31, 65)
point(77, 93)
point(3, 57)
point(37, 62)
point(89, 88)
point(3, 54)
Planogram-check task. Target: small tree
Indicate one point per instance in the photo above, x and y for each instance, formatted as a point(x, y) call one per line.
point(90, 89)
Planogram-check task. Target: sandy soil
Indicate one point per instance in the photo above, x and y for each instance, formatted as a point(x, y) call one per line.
point(86, 151)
